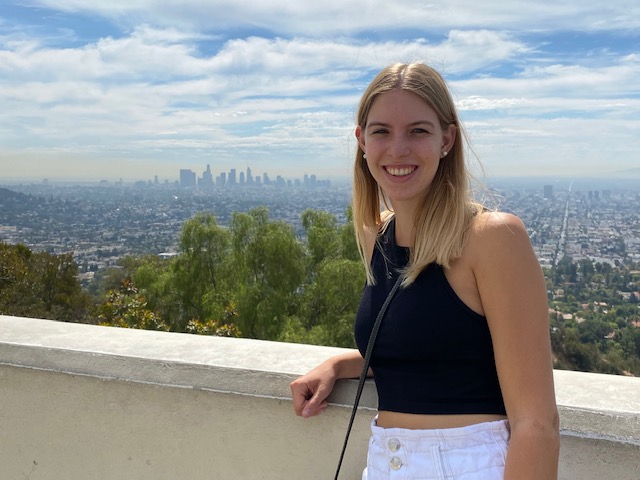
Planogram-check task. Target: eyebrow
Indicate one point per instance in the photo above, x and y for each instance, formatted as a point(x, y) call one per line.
point(412, 124)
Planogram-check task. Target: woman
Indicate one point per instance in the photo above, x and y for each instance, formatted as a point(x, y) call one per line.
point(462, 362)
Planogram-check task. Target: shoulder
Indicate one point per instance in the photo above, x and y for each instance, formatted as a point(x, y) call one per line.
point(497, 236)
point(488, 227)
point(495, 222)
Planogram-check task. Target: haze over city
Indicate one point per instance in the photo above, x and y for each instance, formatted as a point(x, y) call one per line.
point(96, 89)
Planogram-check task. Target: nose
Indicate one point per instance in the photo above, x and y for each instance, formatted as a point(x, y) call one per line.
point(399, 146)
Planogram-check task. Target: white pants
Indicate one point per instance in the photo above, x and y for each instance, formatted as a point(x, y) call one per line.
point(476, 452)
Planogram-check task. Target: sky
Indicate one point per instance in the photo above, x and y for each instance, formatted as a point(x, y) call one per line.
point(131, 89)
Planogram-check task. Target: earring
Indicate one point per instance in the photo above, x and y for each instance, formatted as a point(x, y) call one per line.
point(364, 155)
point(444, 154)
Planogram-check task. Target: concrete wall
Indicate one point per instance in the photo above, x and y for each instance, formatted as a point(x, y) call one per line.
point(80, 402)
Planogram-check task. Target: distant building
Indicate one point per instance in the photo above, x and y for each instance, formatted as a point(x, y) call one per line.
point(187, 178)
point(221, 181)
point(206, 181)
point(548, 191)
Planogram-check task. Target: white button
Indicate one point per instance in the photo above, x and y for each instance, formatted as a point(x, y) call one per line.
point(395, 463)
point(394, 444)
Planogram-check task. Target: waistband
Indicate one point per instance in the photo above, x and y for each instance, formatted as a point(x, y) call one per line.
point(487, 432)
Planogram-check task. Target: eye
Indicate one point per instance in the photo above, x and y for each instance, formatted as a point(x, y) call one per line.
point(379, 131)
point(420, 130)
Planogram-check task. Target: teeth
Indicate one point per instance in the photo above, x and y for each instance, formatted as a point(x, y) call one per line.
point(400, 172)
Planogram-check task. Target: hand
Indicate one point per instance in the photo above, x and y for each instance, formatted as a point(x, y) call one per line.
point(310, 391)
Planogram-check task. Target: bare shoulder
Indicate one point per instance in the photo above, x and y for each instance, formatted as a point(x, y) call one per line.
point(497, 234)
point(494, 222)
point(488, 227)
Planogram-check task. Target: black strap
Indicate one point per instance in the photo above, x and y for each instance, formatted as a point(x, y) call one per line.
point(365, 368)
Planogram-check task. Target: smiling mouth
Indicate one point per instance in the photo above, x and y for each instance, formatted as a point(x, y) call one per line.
point(400, 171)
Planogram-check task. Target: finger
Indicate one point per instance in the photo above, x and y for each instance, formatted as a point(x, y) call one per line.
point(300, 395)
point(316, 404)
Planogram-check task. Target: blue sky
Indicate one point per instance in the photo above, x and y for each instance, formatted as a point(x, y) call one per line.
point(109, 89)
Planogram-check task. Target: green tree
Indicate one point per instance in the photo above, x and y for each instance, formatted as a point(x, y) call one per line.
point(155, 279)
point(16, 289)
point(41, 285)
point(59, 289)
point(330, 303)
point(275, 269)
point(245, 229)
point(269, 266)
point(323, 237)
point(349, 247)
point(127, 307)
point(198, 270)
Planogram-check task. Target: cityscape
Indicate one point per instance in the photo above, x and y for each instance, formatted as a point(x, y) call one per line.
point(101, 223)
point(189, 179)
point(206, 182)
point(586, 236)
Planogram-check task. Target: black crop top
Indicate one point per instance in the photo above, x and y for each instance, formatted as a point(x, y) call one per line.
point(433, 354)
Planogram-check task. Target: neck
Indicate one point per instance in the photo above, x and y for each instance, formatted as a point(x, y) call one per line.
point(405, 229)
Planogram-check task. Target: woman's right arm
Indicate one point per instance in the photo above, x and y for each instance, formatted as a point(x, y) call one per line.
point(310, 391)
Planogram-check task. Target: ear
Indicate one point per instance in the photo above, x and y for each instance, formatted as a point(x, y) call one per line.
point(449, 137)
point(360, 137)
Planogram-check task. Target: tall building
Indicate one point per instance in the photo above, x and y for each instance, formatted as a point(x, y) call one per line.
point(187, 178)
point(232, 177)
point(221, 181)
point(206, 181)
point(249, 178)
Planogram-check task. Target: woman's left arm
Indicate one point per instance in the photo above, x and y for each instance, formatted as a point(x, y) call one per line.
point(514, 298)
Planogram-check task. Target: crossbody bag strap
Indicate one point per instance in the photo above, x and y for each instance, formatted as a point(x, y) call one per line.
point(365, 368)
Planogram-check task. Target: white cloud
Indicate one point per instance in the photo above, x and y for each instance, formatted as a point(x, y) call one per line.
point(182, 80)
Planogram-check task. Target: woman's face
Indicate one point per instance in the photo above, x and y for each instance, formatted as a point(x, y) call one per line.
point(403, 142)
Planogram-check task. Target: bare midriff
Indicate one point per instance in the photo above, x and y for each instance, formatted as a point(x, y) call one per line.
point(428, 422)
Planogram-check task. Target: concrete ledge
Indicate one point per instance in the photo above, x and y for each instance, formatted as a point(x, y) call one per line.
point(597, 406)
point(600, 414)
point(218, 364)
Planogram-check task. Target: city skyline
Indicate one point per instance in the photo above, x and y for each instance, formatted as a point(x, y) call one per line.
point(235, 177)
point(94, 89)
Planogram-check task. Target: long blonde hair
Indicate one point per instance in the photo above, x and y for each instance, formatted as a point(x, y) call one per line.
point(443, 218)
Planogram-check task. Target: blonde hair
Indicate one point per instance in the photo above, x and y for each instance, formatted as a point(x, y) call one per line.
point(442, 221)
